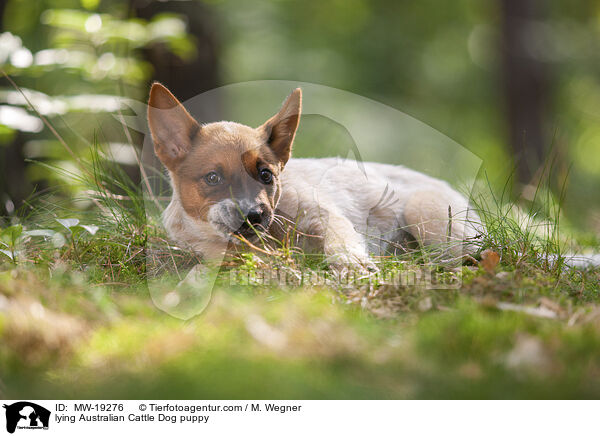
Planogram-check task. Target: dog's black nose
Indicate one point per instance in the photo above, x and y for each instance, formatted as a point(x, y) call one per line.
point(255, 216)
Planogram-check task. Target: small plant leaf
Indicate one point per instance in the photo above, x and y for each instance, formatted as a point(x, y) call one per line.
point(7, 253)
point(68, 223)
point(90, 228)
point(47, 233)
point(12, 232)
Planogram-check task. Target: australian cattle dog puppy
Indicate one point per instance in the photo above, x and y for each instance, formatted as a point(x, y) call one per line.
point(231, 182)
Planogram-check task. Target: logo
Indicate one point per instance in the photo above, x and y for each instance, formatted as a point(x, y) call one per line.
point(26, 415)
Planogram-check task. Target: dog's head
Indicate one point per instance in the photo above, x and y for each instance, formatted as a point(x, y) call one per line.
point(225, 174)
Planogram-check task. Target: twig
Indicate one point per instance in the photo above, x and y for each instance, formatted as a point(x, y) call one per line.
point(449, 224)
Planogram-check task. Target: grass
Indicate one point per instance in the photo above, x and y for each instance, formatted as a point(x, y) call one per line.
point(77, 320)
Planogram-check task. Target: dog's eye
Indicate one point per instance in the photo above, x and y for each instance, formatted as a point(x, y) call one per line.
point(212, 178)
point(266, 176)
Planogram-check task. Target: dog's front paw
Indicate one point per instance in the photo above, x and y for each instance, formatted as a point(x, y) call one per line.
point(345, 263)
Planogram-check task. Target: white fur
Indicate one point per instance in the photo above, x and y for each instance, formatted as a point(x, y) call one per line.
point(363, 207)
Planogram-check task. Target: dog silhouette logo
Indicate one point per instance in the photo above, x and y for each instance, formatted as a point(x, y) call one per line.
point(26, 415)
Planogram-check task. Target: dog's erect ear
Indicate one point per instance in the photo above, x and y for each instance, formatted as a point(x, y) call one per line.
point(281, 128)
point(173, 128)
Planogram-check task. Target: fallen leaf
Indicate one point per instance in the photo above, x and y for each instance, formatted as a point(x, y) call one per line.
point(489, 260)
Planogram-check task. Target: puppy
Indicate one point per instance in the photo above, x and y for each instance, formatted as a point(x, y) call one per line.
point(231, 182)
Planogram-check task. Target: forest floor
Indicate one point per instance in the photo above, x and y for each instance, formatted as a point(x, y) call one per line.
point(77, 321)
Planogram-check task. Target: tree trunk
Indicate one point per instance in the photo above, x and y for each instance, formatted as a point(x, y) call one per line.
point(14, 186)
point(525, 87)
point(185, 79)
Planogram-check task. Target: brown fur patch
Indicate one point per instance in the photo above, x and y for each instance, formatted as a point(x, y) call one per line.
point(236, 153)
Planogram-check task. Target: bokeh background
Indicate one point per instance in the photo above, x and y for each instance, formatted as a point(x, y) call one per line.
point(516, 82)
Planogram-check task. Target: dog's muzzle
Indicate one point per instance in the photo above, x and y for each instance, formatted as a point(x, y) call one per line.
point(243, 218)
point(257, 218)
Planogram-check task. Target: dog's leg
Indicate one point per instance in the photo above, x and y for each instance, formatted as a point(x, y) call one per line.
point(344, 247)
point(438, 219)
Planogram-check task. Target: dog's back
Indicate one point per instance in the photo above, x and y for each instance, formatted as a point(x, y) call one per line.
point(384, 203)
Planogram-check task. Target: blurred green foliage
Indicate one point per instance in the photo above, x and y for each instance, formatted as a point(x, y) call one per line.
point(77, 63)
